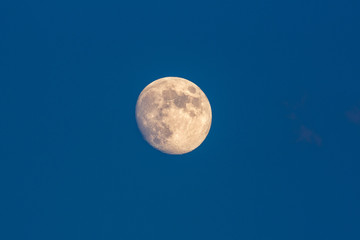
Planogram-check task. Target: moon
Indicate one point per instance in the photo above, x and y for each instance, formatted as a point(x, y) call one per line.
point(173, 115)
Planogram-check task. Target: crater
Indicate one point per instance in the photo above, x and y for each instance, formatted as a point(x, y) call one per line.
point(165, 131)
point(196, 102)
point(165, 106)
point(161, 114)
point(162, 111)
point(157, 140)
point(169, 94)
point(161, 132)
point(192, 114)
point(148, 102)
point(192, 89)
point(181, 101)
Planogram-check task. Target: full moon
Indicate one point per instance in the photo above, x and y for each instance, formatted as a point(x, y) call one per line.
point(173, 115)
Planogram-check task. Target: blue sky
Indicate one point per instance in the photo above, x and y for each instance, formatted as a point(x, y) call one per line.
point(281, 160)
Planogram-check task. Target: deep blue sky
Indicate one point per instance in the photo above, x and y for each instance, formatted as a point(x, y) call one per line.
point(282, 158)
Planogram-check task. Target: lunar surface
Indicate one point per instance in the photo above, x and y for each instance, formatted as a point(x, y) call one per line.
point(173, 115)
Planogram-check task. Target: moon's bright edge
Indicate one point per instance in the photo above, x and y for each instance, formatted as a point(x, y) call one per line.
point(174, 115)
